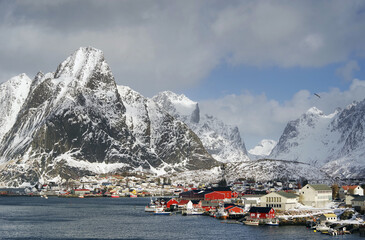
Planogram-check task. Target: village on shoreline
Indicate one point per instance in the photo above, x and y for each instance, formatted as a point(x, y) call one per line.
point(328, 209)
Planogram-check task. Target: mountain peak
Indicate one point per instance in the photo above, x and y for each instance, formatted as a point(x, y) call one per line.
point(314, 111)
point(82, 64)
point(176, 104)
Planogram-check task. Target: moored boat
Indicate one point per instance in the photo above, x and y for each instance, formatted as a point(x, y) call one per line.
point(160, 211)
point(274, 222)
point(322, 227)
point(251, 222)
point(151, 207)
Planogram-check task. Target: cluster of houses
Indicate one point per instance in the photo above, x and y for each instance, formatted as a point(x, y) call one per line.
point(137, 184)
point(262, 204)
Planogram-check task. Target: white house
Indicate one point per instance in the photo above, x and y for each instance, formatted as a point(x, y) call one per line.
point(350, 190)
point(280, 200)
point(329, 217)
point(315, 195)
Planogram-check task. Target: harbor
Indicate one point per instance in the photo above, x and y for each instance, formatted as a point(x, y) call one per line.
point(124, 218)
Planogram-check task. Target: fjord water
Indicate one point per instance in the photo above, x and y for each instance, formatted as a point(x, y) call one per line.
point(122, 218)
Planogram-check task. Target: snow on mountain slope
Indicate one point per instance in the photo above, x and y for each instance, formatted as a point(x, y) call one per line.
point(74, 123)
point(268, 169)
point(164, 135)
point(12, 97)
point(222, 141)
point(334, 142)
point(263, 149)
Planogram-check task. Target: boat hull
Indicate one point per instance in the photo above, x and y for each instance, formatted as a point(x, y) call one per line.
point(251, 223)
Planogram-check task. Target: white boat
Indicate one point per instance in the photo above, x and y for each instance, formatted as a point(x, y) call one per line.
point(273, 222)
point(194, 211)
point(251, 222)
point(151, 207)
point(160, 211)
point(322, 227)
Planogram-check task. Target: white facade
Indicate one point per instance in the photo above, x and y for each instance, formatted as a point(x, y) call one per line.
point(279, 200)
point(315, 195)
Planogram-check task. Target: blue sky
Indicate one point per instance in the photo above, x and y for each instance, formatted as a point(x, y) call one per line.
point(277, 83)
point(254, 64)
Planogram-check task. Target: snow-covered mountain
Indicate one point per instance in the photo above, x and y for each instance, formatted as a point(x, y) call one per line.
point(222, 141)
point(263, 149)
point(335, 143)
point(76, 122)
point(12, 97)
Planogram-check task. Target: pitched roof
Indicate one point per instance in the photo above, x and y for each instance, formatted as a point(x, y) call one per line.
point(320, 187)
point(260, 209)
point(219, 189)
point(183, 202)
point(287, 195)
point(349, 187)
point(330, 215)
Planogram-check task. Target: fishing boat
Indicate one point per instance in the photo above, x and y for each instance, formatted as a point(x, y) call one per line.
point(193, 211)
point(160, 211)
point(274, 222)
point(151, 207)
point(221, 213)
point(251, 222)
point(322, 227)
point(115, 196)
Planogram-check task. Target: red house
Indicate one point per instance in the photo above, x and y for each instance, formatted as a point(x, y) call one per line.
point(214, 196)
point(182, 203)
point(168, 202)
point(213, 193)
point(225, 190)
point(235, 210)
point(262, 212)
point(172, 201)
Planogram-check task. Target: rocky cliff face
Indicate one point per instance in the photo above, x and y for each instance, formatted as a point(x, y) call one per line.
point(222, 141)
point(74, 122)
point(335, 143)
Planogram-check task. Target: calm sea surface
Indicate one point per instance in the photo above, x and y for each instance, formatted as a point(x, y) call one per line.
point(123, 218)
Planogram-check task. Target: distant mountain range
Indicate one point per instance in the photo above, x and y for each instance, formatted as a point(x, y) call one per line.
point(76, 121)
point(334, 143)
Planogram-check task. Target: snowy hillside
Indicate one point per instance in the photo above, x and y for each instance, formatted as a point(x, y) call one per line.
point(262, 150)
point(73, 122)
point(334, 142)
point(222, 141)
point(269, 169)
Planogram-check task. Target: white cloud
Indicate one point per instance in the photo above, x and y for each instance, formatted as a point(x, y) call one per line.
point(347, 71)
point(261, 118)
point(158, 45)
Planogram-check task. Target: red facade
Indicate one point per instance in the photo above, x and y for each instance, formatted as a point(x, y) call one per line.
point(214, 196)
point(172, 202)
point(263, 215)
